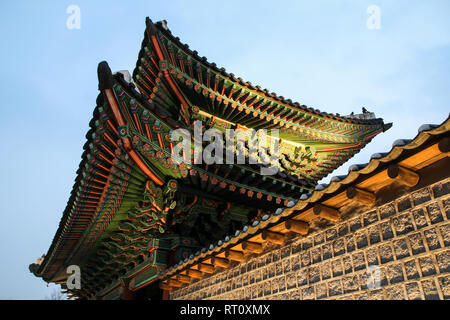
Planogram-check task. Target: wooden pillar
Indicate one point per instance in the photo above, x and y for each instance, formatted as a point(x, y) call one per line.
point(299, 227)
point(234, 255)
point(361, 196)
point(325, 212)
point(194, 274)
point(252, 247)
point(403, 175)
point(127, 294)
point(273, 237)
point(220, 262)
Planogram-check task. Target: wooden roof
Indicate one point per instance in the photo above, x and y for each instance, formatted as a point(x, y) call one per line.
point(429, 150)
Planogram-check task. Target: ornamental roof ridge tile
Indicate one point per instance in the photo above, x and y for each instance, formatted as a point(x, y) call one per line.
point(271, 219)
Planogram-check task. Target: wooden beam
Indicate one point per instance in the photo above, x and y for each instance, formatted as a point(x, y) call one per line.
point(206, 268)
point(234, 255)
point(361, 196)
point(325, 212)
point(252, 247)
point(194, 274)
point(273, 237)
point(444, 146)
point(296, 226)
point(174, 283)
point(183, 278)
point(220, 262)
point(403, 175)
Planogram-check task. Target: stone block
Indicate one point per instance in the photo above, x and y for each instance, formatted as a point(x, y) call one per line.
point(306, 259)
point(316, 255)
point(386, 253)
point(412, 271)
point(401, 248)
point(374, 234)
point(413, 291)
point(361, 239)
point(444, 283)
point(321, 291)
point(334, 288)
point(350, 242)
point(337, 267)
point(295, 262)
point(430, 290)
point(427, 266)
point(434, 213)
point(386, 230)
point(445, 233)
point(302, 277)
point(314, 274)
point(359, 262)
point(395, 273)
point(308, 293)
point(416, 242)
point(370, 217)
point(441, 189)
point(372, 256)
point(403, 224)
point(421, 196)
point(331, 234)
point(291, 280)
point(420, 218)
point(327, 251)
point(325, 270)
point(432, 239)
point(387, 211)
point(404, 204)
point(339, 246)
point(395, 293)
point(355, 224)
point(350, 283)
point(443, 261)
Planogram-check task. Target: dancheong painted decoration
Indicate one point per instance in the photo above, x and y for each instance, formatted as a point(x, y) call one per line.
point(135, 210)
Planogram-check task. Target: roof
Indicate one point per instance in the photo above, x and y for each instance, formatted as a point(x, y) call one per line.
point(120, 156)
point(167, 70)
point(161, 26)
point(431, 144)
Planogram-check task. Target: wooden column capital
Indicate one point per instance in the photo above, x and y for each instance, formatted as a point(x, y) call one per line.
point(220, 262)
point(234, 255)
point(206, 268)
point(403, 175)
point(194, 274)
point(183, 278)
point(252, 247)
point(364, 197)
point(273, 237)
point(325, 212)
point(299, 227)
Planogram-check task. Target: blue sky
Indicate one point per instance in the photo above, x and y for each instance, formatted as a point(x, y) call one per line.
point(319, 53)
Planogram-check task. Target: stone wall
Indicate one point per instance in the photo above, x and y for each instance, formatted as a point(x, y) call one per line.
point(408, 240)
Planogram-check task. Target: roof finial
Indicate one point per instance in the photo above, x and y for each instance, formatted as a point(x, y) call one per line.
point(164, 24)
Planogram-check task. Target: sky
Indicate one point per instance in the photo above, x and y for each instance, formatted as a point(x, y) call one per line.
point(319, 53)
